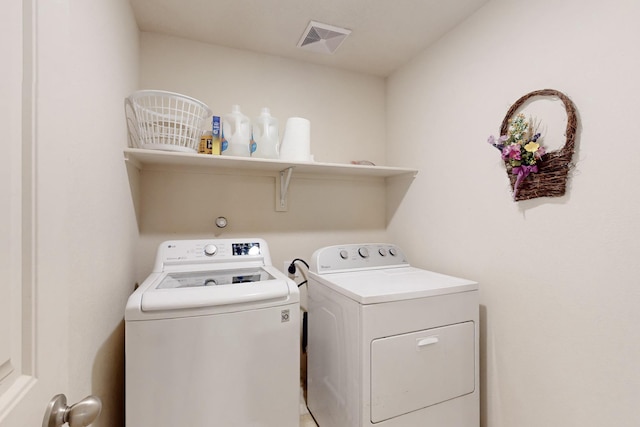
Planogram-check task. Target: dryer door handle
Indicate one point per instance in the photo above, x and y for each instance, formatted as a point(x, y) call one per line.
point(423, 342)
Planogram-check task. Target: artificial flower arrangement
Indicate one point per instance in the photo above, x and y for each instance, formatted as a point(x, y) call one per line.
point(533, 171)
point(521, 148)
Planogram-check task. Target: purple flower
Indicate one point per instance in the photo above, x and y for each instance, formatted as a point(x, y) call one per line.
point(498, 143)
point(511, 152)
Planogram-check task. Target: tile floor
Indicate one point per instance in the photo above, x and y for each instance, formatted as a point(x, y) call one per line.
point(306, 420)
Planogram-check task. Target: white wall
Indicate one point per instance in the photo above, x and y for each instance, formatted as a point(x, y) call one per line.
point(559, 278)
point(347, 113)
point(85, 218)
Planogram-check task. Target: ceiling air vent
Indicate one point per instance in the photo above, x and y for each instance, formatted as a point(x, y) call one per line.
point(322, 38)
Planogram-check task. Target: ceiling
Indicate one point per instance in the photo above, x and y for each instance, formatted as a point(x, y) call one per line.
point(385, 34)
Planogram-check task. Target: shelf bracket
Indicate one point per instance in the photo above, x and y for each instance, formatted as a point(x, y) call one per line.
point(282, 188)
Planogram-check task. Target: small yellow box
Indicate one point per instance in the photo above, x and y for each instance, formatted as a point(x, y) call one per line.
point(206, 143)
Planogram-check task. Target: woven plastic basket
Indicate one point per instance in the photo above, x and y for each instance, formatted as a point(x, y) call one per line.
point(553, 168)
point(160, 120)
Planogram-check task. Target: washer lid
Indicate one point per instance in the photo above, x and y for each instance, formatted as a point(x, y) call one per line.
point(196, 289)
point(393, 284)
point(194, 279)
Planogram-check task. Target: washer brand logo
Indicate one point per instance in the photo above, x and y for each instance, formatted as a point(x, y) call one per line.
point(284, 316)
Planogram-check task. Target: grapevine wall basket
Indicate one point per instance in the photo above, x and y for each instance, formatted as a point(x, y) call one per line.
point(551, 178)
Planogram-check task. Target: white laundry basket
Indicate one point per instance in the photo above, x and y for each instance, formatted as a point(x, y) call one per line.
point(161, 120)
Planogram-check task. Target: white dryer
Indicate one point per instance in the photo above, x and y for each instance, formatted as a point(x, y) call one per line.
point(390, 345)
point(212, 339)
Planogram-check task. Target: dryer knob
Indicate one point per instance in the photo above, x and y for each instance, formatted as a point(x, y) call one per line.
point(393, 251)
point(382, 252)
point(363, 252)
point(344, 254)
point(210, 250)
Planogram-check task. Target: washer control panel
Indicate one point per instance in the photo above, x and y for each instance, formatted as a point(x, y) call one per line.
point(185, 252)
point(357, 256)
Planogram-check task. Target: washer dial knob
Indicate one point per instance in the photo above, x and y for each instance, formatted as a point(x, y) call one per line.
point(210, 250)
point(363, 252)
point(344, 254)
point(382, 252)
point(393, 251)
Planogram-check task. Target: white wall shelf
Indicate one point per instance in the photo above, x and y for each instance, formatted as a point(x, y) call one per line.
point(153, 158)
point(143, 159)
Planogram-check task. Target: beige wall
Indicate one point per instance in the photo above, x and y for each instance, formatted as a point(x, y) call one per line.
point(87, 61)
point(559, 277)
point(347, 114)
point(346, 109)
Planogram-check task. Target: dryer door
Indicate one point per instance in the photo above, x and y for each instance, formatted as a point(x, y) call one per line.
point(420, 369)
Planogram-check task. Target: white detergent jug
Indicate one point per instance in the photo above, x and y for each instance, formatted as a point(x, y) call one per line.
point(236, 134)
point(265, 135)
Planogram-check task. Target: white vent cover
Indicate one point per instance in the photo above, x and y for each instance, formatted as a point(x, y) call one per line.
point(322, 38)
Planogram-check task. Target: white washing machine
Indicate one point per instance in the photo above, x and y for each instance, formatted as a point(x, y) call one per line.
point(213, 339)
point(390, 345)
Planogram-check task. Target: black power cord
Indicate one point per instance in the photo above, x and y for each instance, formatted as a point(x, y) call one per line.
point(292, 268)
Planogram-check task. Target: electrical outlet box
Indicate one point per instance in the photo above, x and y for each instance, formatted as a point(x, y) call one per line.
point(295, 276)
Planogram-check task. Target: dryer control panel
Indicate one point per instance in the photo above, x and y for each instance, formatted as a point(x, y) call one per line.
point(367, 256)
